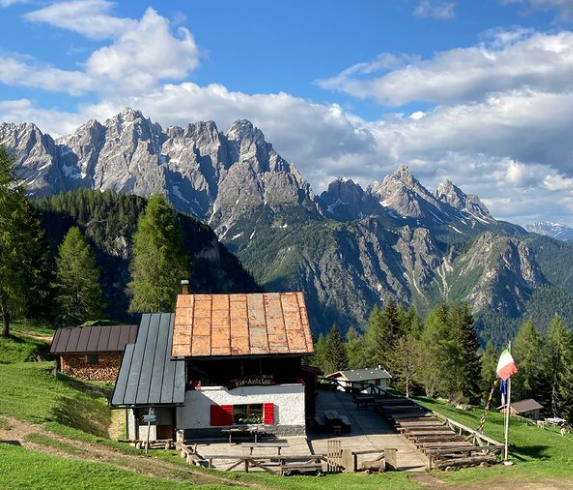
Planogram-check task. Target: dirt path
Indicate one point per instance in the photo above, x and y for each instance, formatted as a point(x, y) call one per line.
point(87, 451)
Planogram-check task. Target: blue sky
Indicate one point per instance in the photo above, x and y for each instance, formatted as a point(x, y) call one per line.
point(477, 91)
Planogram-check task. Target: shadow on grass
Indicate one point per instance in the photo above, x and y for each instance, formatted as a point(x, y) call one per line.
point(530, 452)
point(70, 412)
point(87, 387)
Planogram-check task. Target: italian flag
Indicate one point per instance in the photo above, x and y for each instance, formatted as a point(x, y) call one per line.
point(506, 366)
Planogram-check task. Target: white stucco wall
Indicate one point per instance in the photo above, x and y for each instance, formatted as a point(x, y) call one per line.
point(287, 398)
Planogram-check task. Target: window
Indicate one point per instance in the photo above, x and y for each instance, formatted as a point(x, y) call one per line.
point(248, 414)
point(93, 359)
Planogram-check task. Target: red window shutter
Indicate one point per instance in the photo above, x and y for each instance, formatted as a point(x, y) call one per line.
point(221, 415)
point(269, 413)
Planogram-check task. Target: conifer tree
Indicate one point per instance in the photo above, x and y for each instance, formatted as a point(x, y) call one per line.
point(78, 280)
point(319, 352)
point(527, 349)
point(407, 362)
point(435, 339)
point(413, 323)
point(468, 362)
point(383, 331)
point(558, 369)
point(488, 376)
point(159, 262)
point(20, 255)
point(335, 352)
point(355, 350)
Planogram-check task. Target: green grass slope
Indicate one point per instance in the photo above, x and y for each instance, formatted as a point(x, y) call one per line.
point(23, 469)
point(30, 392)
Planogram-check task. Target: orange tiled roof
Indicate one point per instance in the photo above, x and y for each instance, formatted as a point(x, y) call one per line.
point(241, 325)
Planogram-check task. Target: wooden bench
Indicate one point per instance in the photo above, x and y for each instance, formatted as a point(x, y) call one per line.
point(270, 445)
point(469, 461)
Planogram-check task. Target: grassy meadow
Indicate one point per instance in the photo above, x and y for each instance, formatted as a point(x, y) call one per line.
point(73, 417)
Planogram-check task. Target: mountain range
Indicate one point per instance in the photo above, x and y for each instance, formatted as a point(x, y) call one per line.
point(547, 228)
point(349, 248)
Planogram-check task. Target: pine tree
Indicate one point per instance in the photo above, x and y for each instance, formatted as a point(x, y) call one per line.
point(527, 349)
point(78, 278)
point(558, 369)
point(383, 331)
point(335, 352)
point(355, 350)
point(319, 353)
point(19, 252)
point(406, 362)
point(413, 323)
point(488, 376)
point(158, 263)
point(468, 361)
point(435, 339)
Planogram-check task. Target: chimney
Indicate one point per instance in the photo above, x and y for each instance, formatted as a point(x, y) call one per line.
point(185, 286)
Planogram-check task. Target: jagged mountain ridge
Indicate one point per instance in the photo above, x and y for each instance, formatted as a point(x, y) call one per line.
point(214, 176)
point(348, 249)
point(204, 172)
point(554, 230)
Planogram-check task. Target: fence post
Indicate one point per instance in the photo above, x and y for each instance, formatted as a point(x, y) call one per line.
point(349, 461)
point(390, 459)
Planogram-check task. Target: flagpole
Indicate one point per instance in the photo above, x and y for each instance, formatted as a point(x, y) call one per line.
point(507, 415)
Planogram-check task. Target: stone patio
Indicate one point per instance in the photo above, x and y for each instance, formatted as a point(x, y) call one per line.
point(369, 431)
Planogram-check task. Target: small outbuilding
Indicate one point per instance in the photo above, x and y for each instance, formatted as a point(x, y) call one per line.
point(93, 353)
point(359, 379)
point(526, 408)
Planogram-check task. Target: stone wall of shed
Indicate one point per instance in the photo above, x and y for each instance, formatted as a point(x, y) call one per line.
point(106, 369)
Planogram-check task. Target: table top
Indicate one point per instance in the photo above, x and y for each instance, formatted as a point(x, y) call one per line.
point(266, 444)
point(243, 429)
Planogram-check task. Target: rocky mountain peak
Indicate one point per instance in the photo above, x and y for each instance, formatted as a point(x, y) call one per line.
point(403, 175)
point(402, 193)
point(344, 199)
point(448, 192)
point(244, 130)
point(471, 204)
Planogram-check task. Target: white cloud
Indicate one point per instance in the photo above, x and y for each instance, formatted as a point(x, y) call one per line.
point(9, 3)
point(143, 54)
point(564, 8)
point(53, 121)
point(90, 18)
point(18, 70)
point(508, 61)
point(435, 10)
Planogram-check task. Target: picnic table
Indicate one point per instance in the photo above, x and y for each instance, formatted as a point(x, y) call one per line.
point(331, 416)
point(363, 401)
point(271, 445)
point(254, 432)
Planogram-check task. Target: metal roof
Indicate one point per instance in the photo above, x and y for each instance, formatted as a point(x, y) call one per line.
point(90, 340)
point(355, 375)
point(148, 376)
point(241, 325)
point(526, 406)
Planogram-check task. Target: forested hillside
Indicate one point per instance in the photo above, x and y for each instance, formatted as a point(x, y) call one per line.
point(109, 221)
